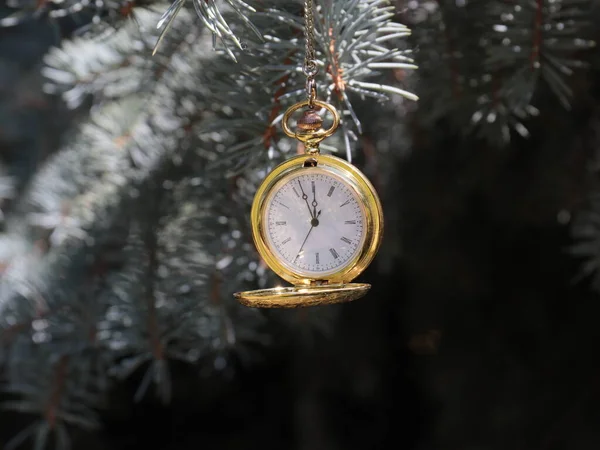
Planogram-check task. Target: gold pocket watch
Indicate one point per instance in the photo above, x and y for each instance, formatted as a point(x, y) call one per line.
point(317, 221)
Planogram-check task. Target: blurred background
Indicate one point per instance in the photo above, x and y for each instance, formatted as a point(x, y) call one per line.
point(122, 242)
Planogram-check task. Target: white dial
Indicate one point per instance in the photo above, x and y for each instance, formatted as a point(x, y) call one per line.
point(314, 222)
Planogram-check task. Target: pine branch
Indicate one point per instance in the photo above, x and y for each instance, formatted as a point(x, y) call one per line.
point(7, 189)
point(520, 43)
point(542, 37)
point(529, 41)
point(157, 299)
point(586, 234)
point(57, 369)
point(352, 48)
point(57, 394)
point(106, 14)
point(71, 197)
point(211, 16)
point(94, 212)
point(188, 315)
point(141, 175)
point(115, 67)
point(448, 57)
point(120, 155)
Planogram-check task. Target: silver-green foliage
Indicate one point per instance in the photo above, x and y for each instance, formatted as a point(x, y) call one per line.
point(483, 62)
point(123, 251)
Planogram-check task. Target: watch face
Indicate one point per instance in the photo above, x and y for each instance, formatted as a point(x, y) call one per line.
point(314, 222)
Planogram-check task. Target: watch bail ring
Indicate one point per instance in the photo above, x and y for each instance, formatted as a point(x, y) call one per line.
point(312, 137)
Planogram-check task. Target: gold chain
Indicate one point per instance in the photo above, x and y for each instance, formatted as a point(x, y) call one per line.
point(309, 127)
point(310, 59)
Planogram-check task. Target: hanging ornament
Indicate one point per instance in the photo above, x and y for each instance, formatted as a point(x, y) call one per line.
point(316, 219)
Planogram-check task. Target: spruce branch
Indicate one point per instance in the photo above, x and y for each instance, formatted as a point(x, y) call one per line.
point(53, 389)
point(57, 369)
point(238, 333)
point(184, 312)
point(352, 50)
point(353, 40)
point(140, 176)
point(520, 44)
point(448, 56)
point(103, 13)
point(115, 67)
point(586, 234)
point(211, 16)
point(528, 42)
point(542, 36)
point(120, 156)
point(7, 189)
point(504, 105)
point(34, 284)
point(155, 312)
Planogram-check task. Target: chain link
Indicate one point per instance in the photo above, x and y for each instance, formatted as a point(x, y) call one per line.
point(310, 60)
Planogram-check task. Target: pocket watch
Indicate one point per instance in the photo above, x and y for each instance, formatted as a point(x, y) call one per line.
point(317, 221)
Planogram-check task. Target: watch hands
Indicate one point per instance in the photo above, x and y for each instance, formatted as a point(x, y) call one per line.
point(313, 223)
point(314, 202)
point(305, 198)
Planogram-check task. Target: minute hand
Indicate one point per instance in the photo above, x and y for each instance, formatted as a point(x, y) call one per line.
point(305, 198)
point(314, 202)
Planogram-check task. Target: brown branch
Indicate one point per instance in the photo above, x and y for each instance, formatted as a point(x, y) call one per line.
point(40, 4)
point(537, 34)
point(454, 71)
point(271, 132)
point(127, 9)
point(9, 333)
point(156, 346)
point(215, 288)
point(58, 386)
point(496, 97)
point(334, 69)
point(371, 159)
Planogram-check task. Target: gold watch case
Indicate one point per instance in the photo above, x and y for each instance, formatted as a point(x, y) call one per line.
point(331, 288)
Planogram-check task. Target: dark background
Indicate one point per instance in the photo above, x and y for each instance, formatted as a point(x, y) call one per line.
point(481, 337)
